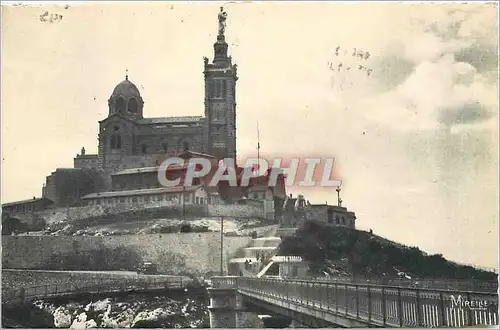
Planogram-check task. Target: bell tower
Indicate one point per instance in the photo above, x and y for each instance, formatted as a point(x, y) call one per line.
point(220, 97)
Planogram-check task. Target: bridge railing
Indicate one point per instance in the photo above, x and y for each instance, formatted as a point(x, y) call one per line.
point(388, 306)
point(440, 284)
point(61, 289)
point(224, 282)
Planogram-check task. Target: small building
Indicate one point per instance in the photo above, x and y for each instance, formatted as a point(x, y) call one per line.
point(331, 214)
point(27, 206)
point(168, 195)
point(291, 266)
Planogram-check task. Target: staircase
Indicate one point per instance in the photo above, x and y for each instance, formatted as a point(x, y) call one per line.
point(258, 257)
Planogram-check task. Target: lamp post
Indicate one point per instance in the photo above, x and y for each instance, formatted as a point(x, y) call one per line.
point(221, 246)
point(183, 203)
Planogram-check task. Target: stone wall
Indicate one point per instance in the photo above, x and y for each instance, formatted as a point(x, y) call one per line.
point(85, 161)
point(236, 210)
point(145, 210)
point(65, 186)
point(188, 253)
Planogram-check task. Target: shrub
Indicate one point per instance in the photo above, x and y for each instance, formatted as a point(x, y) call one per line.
point(186, 228)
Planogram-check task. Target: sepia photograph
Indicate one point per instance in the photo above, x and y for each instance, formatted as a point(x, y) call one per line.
point(241, 164)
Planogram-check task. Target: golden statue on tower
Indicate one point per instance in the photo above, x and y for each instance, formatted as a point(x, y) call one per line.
point(222, 21)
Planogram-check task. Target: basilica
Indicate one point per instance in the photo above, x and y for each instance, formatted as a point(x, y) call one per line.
point(124, 172)
point(130, 140)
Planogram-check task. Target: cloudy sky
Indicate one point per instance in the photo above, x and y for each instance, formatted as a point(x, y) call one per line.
point(416, 140)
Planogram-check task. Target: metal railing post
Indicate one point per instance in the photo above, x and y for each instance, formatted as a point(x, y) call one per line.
point(357, 301)
point(346, 301)
point(441, 305)
point(400, 308)
point(327, 296)
point(384, 314)
point(419, 308)
point(469, 311)
point(369, 293)
point(336, 298)
point(301, 292)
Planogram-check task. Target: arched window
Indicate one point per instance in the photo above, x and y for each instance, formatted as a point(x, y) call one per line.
point(132, 105)
point(211, 87)
point(343, 221)
point(164, 146)
point(219, 89)
point(144, 148)
point(337, 220)
point(115, 141)
point(120, 104)
point(223, 88)
point(186, 146)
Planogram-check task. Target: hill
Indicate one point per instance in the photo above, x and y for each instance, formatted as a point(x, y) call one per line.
point(346, 252)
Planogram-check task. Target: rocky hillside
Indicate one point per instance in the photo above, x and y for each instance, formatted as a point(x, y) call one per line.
point(341, 251)
point(177, 310)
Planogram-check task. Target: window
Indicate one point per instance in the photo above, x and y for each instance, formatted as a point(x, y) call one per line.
point(132, 105)
point(223, 88)
point(146, 198)
point(144, 148)
point(212, 87)
point(122, 200)
point(337, 220)
point(343, 221)
point(218, 93)
point(216, 134)
point(134, 199)
point(115, 141)
point(186, 146)
point(164, 146)
point(197, 200)
point(120, 104)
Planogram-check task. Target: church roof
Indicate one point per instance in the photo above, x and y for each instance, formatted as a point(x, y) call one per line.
point(169, 120)
point(148, 169)
point(127, 89)
point(26, 201)
point(192, 154)
point(123, 193)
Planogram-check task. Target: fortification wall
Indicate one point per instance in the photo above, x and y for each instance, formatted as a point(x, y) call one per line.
point(178, 254)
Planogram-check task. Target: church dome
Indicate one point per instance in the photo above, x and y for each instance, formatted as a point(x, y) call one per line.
point(126, 89)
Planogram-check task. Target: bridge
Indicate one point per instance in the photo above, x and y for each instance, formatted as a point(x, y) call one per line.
point(330, 303)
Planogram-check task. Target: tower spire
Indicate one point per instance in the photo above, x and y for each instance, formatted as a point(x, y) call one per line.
point(126, 74)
